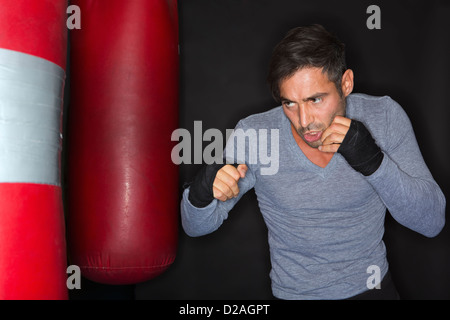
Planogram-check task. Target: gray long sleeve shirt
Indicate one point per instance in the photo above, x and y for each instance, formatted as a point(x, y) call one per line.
point(325, 225)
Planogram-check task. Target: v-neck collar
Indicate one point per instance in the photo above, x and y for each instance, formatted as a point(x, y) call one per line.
point(295, 148)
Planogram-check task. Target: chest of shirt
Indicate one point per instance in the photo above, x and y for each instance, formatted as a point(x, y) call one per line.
point(300, 185)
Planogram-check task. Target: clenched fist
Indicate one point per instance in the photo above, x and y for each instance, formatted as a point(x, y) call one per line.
point(333, 136)
point(225, 185)
point(354, 142)
point(216, 181)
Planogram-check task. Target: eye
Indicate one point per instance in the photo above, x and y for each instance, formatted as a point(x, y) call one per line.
point(316, 100)
point(288, 104)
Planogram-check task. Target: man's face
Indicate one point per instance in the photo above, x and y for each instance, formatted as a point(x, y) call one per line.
point(311, 102)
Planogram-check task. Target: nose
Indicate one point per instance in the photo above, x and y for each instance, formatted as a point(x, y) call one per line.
point(306, 118)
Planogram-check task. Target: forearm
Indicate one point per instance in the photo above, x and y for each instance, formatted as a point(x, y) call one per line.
point(416, 202)
point(200, 221)
point(397, 171)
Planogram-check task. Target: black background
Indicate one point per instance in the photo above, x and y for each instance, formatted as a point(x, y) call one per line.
point(225, 47)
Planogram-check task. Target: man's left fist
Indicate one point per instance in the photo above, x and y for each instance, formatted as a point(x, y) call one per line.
point(355, 143)
point(333, 136)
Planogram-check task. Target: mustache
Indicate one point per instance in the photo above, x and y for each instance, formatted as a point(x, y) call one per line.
point(312, 127)
point(319, 126)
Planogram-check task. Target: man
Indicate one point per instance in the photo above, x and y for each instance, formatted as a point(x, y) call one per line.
point(343, 159)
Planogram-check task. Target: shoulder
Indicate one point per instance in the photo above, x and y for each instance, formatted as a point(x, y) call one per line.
point(380, 114)
point(264, 120)
point(364, 106)
point(370, 109)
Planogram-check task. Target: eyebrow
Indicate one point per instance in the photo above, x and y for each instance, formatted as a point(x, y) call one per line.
point(311, 98)
point(283, 99)
point(315, 96)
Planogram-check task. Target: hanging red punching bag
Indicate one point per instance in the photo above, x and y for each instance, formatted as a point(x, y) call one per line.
point(33, 42)
point(122, 184)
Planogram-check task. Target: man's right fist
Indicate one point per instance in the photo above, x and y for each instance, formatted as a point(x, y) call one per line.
point(225, 185)
point(215, 181)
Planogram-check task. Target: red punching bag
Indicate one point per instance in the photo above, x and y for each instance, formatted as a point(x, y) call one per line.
point(33, 42)
point(122, 184)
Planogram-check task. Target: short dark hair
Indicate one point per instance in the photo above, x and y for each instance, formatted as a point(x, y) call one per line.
point(302, 47)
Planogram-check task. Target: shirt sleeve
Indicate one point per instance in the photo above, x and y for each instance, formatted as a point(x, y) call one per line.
point(201, 221)
point(403, 180)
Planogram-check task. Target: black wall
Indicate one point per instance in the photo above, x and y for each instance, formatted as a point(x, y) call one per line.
point(225, 48)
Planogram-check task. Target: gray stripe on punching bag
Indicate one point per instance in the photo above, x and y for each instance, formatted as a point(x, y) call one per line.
point(31, 93)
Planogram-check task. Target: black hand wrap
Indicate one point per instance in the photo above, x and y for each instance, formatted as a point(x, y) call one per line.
point(201, 189)
point(360, 150)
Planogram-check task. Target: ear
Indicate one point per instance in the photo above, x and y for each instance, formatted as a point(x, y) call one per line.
point(347, 82)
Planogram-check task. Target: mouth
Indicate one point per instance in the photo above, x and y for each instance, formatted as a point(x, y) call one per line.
point(313, 136)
